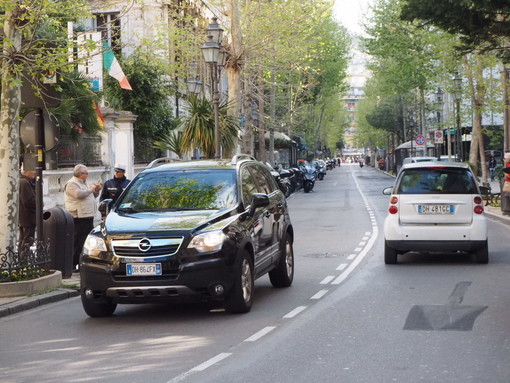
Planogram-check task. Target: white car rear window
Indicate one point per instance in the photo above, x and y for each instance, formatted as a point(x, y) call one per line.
point(436, 180)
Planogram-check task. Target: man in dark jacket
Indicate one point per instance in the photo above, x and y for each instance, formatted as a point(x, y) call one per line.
point(27, 209)
point(113, 187)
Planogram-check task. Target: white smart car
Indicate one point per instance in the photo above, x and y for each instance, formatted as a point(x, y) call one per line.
point(435, 206)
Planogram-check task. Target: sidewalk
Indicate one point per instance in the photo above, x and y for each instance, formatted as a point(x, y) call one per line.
point(70, 288)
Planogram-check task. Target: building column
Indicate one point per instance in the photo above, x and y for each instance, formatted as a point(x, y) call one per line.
point(118, 143)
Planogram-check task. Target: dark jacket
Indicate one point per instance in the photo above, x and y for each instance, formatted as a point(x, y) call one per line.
point(27, 209)
point(113, 187)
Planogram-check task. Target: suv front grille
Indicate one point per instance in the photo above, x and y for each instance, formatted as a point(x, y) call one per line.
point(146, 247)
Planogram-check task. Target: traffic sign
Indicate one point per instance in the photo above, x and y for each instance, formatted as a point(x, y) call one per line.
point(420, 140)
point(438, 137)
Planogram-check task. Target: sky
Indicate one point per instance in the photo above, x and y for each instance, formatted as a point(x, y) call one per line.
point(350, 12)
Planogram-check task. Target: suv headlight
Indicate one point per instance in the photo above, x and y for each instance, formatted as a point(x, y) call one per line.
point(206, 242)
point(94, 246)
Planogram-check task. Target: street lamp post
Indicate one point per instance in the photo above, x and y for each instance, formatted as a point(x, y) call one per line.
point(457, 95)
point(214, 56)
point(439, 102)
point(195, 86)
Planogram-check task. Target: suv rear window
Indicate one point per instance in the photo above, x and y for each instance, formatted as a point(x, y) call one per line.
point(181, 190)
point(436, 180)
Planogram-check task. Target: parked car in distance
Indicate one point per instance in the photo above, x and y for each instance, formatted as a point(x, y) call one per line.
point(187, 231)
point(409, 160)
point(435, 207)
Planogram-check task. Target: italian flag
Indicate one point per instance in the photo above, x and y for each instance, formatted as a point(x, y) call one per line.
point(111, 64)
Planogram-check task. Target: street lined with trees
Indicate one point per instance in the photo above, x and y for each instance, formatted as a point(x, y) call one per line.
point(417, 49)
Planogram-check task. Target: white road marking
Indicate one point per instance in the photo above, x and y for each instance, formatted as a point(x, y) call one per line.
point(294, 312)
point(328, 279)
point(319, 294)
point(210, 362)
point(351, 257)
point(260, 334)
point(373, 236)
point(341, 266)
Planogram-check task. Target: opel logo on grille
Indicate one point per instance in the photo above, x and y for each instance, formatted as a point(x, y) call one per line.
point(144, 245)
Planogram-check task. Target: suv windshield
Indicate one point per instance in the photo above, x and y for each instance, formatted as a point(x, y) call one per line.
point(436, 180)
point(181, 190)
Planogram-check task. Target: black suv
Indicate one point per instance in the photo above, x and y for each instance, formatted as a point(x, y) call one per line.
point(189, 230)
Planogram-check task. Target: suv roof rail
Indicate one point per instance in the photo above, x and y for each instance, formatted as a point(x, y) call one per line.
point(161, 161)
point(239, 157)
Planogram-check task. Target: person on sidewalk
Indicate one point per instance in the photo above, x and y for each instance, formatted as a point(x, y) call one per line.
point(492, 166)
point(80, 201)
point(116, 185)
point(27, 210)
point(505, 196)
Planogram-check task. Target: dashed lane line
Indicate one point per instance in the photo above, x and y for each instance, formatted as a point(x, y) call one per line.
point(294, 312)
point(260, 334)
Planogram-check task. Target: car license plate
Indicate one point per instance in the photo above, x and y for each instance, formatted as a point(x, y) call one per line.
point(435, 209)
point(143, 269)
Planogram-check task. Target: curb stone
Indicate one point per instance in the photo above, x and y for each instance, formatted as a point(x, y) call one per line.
point(37, 300)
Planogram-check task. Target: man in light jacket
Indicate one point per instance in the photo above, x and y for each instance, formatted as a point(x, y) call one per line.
point(80, 201)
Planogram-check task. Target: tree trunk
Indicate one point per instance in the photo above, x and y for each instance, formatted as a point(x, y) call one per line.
point(234, 63)
point(10, 101)
point(273, 119)
point(477, 89)
point(262, 126)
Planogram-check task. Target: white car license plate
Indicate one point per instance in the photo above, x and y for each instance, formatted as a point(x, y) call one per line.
point(435, 209)
point(143, 269)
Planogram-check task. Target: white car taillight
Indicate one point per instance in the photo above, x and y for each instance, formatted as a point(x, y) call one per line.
point(478, 209)
point(393, 209)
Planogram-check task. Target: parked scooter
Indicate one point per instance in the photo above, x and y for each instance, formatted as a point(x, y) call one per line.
point(309, 177)
point(282, 179)
point(321, 169)
point(361, 163)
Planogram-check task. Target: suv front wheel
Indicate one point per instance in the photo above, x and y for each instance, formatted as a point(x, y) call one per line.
point(97, 310)
point(283, 274)
point(240, 296)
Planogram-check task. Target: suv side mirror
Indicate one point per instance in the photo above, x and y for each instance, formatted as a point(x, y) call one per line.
point(259, 200)
point(388, 190)
point(105, 207)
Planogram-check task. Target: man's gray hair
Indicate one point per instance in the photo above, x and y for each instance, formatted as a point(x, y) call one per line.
point(79, 170)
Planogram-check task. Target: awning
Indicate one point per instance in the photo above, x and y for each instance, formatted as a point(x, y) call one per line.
point(407, 145)
point(279, 136)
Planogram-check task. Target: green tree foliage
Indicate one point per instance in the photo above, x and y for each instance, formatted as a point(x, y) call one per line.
point(149, 100)
point(76, 113)
point(408, 60)
point(24, 54)
point(482, 24)
point(305, 52)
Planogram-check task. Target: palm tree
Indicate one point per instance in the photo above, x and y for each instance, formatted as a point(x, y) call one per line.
point(172, 141)
point(198, 127)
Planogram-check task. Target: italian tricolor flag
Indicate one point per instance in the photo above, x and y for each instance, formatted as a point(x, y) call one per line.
point(111, 64)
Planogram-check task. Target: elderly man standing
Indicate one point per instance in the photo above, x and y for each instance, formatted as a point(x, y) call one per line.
point(80, 201)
